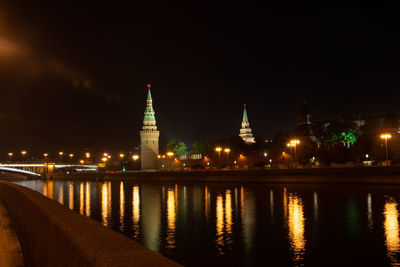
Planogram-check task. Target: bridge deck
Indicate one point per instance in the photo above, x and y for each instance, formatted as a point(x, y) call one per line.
point(10, 248)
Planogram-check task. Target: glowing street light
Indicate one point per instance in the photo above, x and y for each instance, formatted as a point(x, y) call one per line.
point(23, 152)
point(293, 143)
point(45, 156)
point(386, 136)
point(82, 161)
point(219, 149)
point(61, 154)
point(87, 155)
point(10, 155)
point(170, 154)
point(135, 158)
point(104, 160)
point(121, 156)
point(71, 156)
point(227, 150)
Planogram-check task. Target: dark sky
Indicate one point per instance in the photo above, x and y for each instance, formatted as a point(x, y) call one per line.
point(73, 74)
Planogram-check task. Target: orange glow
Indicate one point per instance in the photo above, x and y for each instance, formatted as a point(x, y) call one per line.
point(135, 210)
point(218, 149)
point(296, 226)
point(386, 136)
point(171, 217)
point(391, 227)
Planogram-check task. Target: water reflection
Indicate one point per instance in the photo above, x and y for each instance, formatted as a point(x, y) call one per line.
point(220, 224)
point(171, 213)
point(296, 226)
point(315, 198)
point(106, 202)
point(87, 204)
point(228, 212)
point(391, 226)
point(369, 212)
point(61, 194)
point(121, 205)
point(135, 211)
point(71, 196)
point(81, 198)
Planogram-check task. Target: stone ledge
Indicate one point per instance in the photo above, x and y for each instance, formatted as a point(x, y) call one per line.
point(52, 235)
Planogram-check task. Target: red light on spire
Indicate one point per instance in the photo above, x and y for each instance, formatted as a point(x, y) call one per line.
point(244, 105)
point(148, 85)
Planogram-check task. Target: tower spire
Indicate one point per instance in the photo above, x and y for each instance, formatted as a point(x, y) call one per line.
point(245, 131)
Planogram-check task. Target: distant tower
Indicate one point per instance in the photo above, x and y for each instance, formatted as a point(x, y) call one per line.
point(304, 124)
point(149, 137)
point(245, 132)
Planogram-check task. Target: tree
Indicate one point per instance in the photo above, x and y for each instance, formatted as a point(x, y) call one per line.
point(178, 147)
point(202, 147)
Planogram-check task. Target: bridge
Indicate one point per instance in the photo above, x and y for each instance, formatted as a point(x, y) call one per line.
point(40, 169)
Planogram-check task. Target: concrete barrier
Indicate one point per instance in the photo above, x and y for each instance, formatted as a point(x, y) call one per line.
point(52, 235)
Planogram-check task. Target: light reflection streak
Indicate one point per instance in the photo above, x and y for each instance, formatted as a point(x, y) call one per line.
point(87, 195)
point(220, 224)
point(171, 213)
point(206, 202)
point(104, 203)
point(285, 207)
point(50, 191)
point(315, 205)
point(271, 201)
point(228, 212)
point(61, 194)
point(121, 205)
point(81, 198)
point(369, 212)
point(391, 227)
point(296, 226)
point(135, 211)
point(71, 196)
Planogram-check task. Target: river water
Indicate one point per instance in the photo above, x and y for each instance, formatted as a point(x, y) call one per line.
point(245, 224)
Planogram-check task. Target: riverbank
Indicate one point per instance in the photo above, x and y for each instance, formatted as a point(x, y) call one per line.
point(366, 175)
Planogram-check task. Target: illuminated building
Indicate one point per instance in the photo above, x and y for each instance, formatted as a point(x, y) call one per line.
point(149, 137)
point(245, 131)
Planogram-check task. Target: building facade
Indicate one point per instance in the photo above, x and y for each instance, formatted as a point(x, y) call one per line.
point(149, 136)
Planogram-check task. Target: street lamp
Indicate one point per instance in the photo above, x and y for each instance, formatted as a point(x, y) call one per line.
point(61, 154)
point(227, 150)
point(10, 155)
point(23, 152)
point(45, 156)
point(71, 156)
point(135, 158)
point(82, 161)
point(219, 149)
point(386, 136)
point(170, 154)
point(293, 143)
point(87, 154)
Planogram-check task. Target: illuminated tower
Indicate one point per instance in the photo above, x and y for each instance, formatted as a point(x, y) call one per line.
point(149, 137)
point(245, 132)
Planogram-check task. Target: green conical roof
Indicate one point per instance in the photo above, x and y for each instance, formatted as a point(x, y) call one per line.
point(245, 120)
point(149, 112)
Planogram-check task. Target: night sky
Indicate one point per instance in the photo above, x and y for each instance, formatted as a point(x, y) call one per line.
point(73, 74)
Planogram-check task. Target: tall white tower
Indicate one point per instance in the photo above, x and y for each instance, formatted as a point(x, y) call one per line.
point(149, 137)
point(245, 131)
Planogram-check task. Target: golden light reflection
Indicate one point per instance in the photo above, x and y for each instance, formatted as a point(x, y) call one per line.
point(220, 224)
point(50, 189)
point(135, 210)
point(81, 198)
point(285, 207)
point(296, 226)
point(61, 194)
point(315, 198)
point(87, 195)
point(121, 205)
point(171, 210)
point(391, 227)
point(105, 200)
point(228, 211)
point(71, 196)
point(271, 201)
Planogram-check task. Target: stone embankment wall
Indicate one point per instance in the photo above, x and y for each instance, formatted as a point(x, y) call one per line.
point(52, 235)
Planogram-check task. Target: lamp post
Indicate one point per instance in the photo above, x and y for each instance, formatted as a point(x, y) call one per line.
point(219, 149)
point(104, 160)
point(10, 155)
point(45, 156)
point(367, 156)
point(87, 155)
point(23, 155)
point(135, 158)
point(61, 154)
point(71, 156)
point(170, 154)
point(227, 150)
point(121, 156)
point(386, 136)
point(293, 143)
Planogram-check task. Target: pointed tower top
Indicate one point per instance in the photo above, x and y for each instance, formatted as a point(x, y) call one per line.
point(149, 118)
point(149, 92)
point(245, 120)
